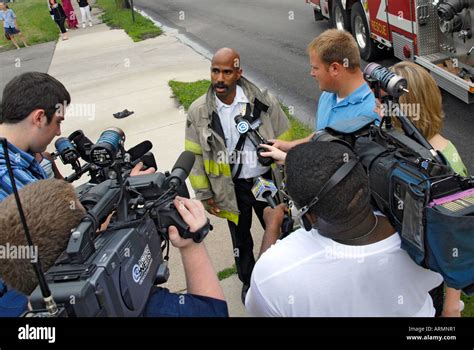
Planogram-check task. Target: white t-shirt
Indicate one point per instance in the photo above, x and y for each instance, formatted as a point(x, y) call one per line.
point(250, 166)
point(307, 274)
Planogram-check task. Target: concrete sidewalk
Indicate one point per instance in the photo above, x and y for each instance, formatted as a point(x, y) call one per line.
point(106, 72)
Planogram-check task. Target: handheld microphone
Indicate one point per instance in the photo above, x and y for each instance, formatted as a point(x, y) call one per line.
point(264, 190)
point(244, 127)
point(181, 169)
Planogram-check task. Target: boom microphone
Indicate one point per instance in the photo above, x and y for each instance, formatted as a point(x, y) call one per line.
point(264, 190)
point(181, 169)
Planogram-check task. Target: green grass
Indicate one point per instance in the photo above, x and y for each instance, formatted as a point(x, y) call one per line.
point(468, 306)
point(299, 130)
point(222, 275)
point(139, 30)
point(34, 21)
point(187, 93)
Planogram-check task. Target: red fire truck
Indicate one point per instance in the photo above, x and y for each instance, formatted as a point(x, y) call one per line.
point(437, 34)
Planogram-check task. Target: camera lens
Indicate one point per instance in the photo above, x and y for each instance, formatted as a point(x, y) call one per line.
point(103, 153)
point(66, 150)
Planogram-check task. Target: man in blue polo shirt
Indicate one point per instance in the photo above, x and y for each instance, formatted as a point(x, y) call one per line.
point(347, 103)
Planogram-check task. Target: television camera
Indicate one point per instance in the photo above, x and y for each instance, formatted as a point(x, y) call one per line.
point(112, 272)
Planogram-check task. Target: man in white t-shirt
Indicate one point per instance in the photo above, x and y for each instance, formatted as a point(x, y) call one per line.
point(348, 262)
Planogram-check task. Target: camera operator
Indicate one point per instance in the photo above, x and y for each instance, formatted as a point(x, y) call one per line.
point(32, 110)
point(53, 210)
point(424, 94)
point(348, 262)
point(219, 179)
point(347, 100)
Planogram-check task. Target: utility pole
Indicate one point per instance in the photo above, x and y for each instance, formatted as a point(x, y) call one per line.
point(133, 10)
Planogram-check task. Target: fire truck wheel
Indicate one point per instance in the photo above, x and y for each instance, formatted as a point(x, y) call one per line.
point(361, 32)
point(340, 18)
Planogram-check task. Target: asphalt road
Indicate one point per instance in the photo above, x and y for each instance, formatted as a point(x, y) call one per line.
point(271, 37)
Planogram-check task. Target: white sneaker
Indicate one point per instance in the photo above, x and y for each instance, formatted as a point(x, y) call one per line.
point(90, 24)
point(83, 25)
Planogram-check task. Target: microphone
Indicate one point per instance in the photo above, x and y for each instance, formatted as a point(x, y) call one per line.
point(181, 169)
point(137, 151)
point(264, 190)
point(244, 127)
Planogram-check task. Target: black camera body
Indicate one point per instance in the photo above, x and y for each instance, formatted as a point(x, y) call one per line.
point(111, 273)
point(115, 281)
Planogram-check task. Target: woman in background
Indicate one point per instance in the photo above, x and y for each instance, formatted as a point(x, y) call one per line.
point(424, 92)
point(59, 16)
point(10, 26)
point(85, 12)
point(71, 18)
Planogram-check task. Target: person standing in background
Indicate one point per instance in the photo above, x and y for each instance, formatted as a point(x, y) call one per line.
point(85, 12)
point(59, 16)
point(10, 26)
point(71, 18)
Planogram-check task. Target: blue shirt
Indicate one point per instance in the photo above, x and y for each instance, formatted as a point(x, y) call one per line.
point(12, 303)
point(162, 303)
point(25, 170)
point(344, 114)
point(9, 18)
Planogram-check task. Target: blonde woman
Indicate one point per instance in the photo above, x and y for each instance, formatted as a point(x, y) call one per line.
point(424, 98)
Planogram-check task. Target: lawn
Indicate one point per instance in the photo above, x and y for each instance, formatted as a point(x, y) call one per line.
point(139, 30)
point(34, 21)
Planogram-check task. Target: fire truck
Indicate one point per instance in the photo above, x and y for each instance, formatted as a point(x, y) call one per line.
point(436, 34)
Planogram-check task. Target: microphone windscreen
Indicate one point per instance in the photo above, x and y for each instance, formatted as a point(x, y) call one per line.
point(185, 162)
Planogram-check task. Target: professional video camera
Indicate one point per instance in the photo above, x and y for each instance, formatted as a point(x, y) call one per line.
point(431, 207)
point(100, 156)
point(112, 272)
